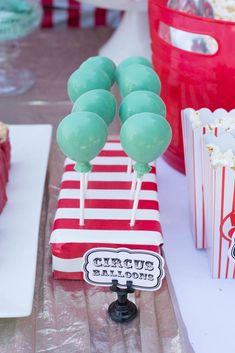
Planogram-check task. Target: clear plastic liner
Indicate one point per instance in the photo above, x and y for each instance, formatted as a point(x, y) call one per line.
point(71, 316)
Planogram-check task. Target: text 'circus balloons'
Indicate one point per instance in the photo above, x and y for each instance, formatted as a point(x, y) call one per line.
point(83, 80)
point(98, 101)
point(81, 136)
point(139, 102)
point(130, 61)
point(103, 63)
point(144, 137)
point(138, 77)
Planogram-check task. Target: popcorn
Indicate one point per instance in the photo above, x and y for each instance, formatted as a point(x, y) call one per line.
point(221, 159)
point(223, 9)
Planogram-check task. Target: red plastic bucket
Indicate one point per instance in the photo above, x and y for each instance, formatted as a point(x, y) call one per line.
point(191, 79)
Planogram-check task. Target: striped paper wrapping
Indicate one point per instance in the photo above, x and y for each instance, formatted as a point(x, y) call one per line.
point(107, 213)
point(192, 138)
point(219, 195)
point(77, 14)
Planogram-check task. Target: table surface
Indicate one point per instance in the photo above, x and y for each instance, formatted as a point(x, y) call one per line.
point(71, 316)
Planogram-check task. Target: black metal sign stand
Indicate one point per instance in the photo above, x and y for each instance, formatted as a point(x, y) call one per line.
point(122, 310)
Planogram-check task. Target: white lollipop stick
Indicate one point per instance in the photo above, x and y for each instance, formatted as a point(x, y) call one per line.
point(133, 185)
point(82, 197)
point(129, 166)
point(136, 201)
point(86, 183)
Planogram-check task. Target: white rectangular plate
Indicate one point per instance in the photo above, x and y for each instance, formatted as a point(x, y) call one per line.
point(20, 219)
point(206, 305)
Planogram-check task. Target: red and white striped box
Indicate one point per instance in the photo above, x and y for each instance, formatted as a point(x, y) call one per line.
point(219, 198)
point(195, 125)
point(108, 208)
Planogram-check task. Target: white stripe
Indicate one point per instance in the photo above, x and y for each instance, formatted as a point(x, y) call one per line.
point(59, 16)
point(114, 146)
point(71, 176)
point(87, 16)
point(113, 214)
point(67, 265)
point(107, 194)
point(106, 161)
point(113, 18)
point(60, 236)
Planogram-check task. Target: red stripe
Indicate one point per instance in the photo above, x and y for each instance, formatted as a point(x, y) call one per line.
point(100, 17)
point(75, 250)
point(195, 208)
point(213, 178)
point(109, 204)
point(203, 219)
point(48, 10)
point(221, 220)
point(105, 168)
point(74, 13)
point(234, 197)
point(112, 153)
point(107, 224)
point(68, 275)
point(227, 266)
point(234, 211)
point(107, 185)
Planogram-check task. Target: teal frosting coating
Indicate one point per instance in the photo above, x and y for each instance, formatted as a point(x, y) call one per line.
point(83, 167)
point(141, 101)
point(98, 101)
point(84, 80)
point(18, 18)
point(144, 137)
point(81, 136)
point(130, 61)
point(141, 169)
point(103, 63)
point(138, 77)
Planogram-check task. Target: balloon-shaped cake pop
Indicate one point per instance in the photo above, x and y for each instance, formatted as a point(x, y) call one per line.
point(103, 63)
point(130, 61)
point(144, 137)
point(81, 136)
point(83, 80)
point(141, 101)
point(138, 77)
point(98, 101)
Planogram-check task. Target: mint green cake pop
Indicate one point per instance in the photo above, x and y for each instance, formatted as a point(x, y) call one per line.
point(81, 136)
point(103, 63)
point(83, 80)
point(141, 101)
point(98, 101)
point(144, 138)
point(130, 61)
point(138, 77)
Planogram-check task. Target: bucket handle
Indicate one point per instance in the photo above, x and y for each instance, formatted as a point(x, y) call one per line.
point(158, 12)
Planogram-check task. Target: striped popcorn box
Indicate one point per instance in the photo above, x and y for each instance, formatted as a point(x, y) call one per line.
point(219, 197)
point(108, 208)
point(195, 124)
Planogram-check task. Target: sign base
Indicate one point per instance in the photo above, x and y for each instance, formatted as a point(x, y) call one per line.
point(122, 310)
